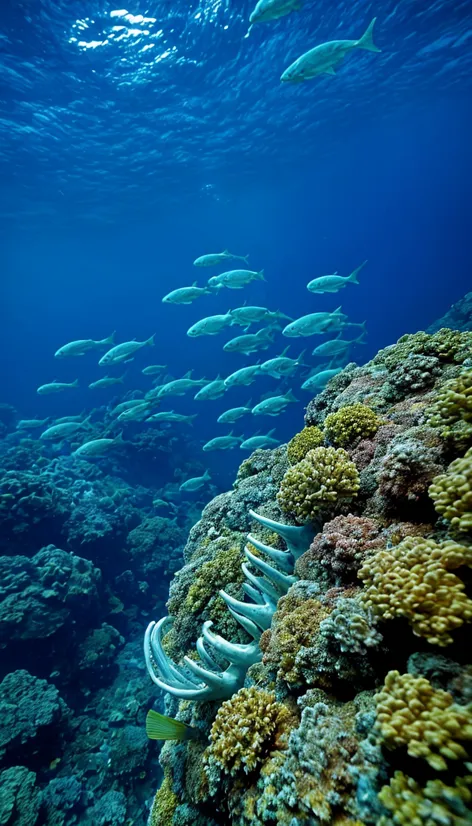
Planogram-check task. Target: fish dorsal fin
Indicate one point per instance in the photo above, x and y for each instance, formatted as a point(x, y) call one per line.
point(284, 352)
point(195, 284)
point(270, 433)
point(230, 433)
point(255, 434)
point(337, 310)
point(330, 71)
point(226, 252)
point(188, 374)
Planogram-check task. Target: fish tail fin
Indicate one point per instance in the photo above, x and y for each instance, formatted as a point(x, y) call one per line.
point(75, 383)
point(271, 432)
point(191, 418)
point(338, 310)
point(245, 258)
point(290, 396)
point(160, 727)
point(301, 357)
point(353, 277)
point(207, 474)
point(363, 334)
point(367, 41)
point(249, 404)
point(119, 439)
point(150, 341)
point(260, 275)
point(109, 339)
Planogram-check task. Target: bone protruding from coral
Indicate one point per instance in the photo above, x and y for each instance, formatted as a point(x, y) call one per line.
point(205, 655)
point(260, 584)
point(252, 629)
point(238, 653)
point(298, 538)
point(283, 559)
point(281, 581)
point(261, 615)
point(168, 671)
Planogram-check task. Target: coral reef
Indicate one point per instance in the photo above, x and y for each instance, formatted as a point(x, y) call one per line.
point(301, 443)
point(350, 424)
point(409, 803)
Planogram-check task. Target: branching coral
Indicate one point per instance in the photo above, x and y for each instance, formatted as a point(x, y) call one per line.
point(247, 728)
point(453, 407)
point(411, 713)
point(451, 493)
point(436, 803)
point(308, 439)
point(351, 423)
point(322, 478)
point(414, 580)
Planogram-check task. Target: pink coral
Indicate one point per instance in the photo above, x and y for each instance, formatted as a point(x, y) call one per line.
point(341, 548)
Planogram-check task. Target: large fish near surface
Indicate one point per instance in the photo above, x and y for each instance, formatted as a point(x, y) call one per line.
point(325, 58)
point(250, 343)
point(213, 259)
point(124, 351)
point(82, 346)
point(210, 326)
point(333, 283)
point(315, 324)
point(56, 387)
point(185, 295)
point(235, 279)
point(266, 10)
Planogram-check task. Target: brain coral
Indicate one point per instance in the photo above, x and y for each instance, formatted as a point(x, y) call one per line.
point(346, 426)
point(436, 803)
point(414, 580)
point(246, 729)
point(451, 493)
point(411, 713)
point(323, 477)
point(307, 439)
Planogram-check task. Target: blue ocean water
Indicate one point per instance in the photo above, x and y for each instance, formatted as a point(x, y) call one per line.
point(133, 140)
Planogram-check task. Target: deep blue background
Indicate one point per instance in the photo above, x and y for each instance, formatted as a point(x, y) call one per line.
point(395, 190)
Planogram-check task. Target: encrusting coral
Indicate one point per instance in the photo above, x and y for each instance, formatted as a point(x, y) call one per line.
point(451, 493)
point(436, 803)
point(321, 479)
point(347, 425)
point(411, 713)
point(307, 439)
point(415, 580)
point(246, 729)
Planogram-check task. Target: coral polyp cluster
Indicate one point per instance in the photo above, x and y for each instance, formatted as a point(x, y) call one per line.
point(451, 493)
point(351, 423)
point(324, 477)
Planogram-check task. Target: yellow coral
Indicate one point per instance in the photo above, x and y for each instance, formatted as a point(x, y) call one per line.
point(164, 806)
point(414, 580)
point(245, 731)
point(412, 805)
point(323, 477)
point(411, 713)
point(453, 405)
point(451, 493)
point(356, 421)
point(307, 439)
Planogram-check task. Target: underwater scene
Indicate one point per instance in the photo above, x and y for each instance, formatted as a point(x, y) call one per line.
point(235, 413)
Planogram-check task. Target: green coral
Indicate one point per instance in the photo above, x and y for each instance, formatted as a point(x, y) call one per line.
point(452, 408)
point(214, 575)
point(321, 479)
point(415, 580)
point(436, 803)
point(164, 805)
point(308, 439)
point(451, 493)
point(247, 728)
point(447, 345)
point(351, 423)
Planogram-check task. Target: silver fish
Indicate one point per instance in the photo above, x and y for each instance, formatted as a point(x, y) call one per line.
point(260, 441)
point(243, 377)
point(317, 382)
point(235, 279)
point(333, 283)
point(282, 365)
point(227, 442)
point(107, 381)
point(56, 387)
point(210, 326)
point(315, 324)
point(273, 405)
point(235, 413)
point(195, 483)
point(97, 447)
point(212, 390)
point(250, 343)
point(124, 351)
point(82, 346)
point(216, 258)
point(186, 295)
point(171, 416)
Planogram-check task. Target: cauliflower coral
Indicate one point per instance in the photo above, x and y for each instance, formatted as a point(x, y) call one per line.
point(451, 493)
point(308, 439)
point(356, 421)
point(415, 580)
point(323, 477)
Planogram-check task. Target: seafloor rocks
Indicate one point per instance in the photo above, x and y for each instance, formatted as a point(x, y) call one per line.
point(40, 595)
point(365, 668)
